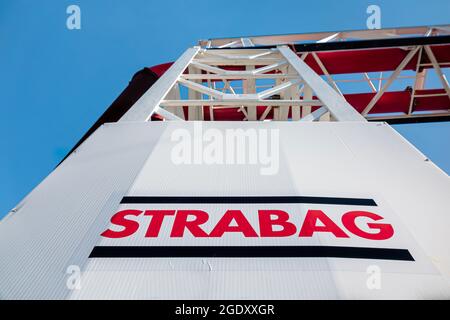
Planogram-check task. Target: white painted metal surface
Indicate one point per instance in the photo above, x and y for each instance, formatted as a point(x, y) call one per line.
point(61, 221)
point(336, 104)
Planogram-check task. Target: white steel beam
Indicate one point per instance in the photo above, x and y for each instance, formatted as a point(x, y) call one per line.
point(340, 109)
point(283, 113)
point(295, 94)
point(437, 113)
point(324, 36)
point(207, 67)
point(239, 102)
point(329, 38)
point(380, 81)
point(370, 83)
point(174, 94)
point(418, 83)
point(326, 73)
point(278, 88)
point(246, 42)
point(250, 72)
point(391, 79)
point(315, 115)
point(247, 54)
point(194, 94)
point(265, 113)
point(229, 44)
point(237, 76)
point(438, 70)
point(307, 95)
point(218, 61)
point(211, 108)
point(201, 88)
point(143, 109)
point(250, 88)
point(271, 67)
point(166, 114)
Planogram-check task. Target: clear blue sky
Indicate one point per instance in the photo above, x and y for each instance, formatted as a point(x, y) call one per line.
point(54, 83)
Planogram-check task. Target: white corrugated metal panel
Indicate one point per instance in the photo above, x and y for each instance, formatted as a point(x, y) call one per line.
point(54, 226)
point(61, 221)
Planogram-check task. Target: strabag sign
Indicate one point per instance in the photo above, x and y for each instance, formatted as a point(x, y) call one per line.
point(253, 227)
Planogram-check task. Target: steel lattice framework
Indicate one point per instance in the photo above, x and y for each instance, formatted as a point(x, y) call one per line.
point(296, 77)
point(247, 227)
